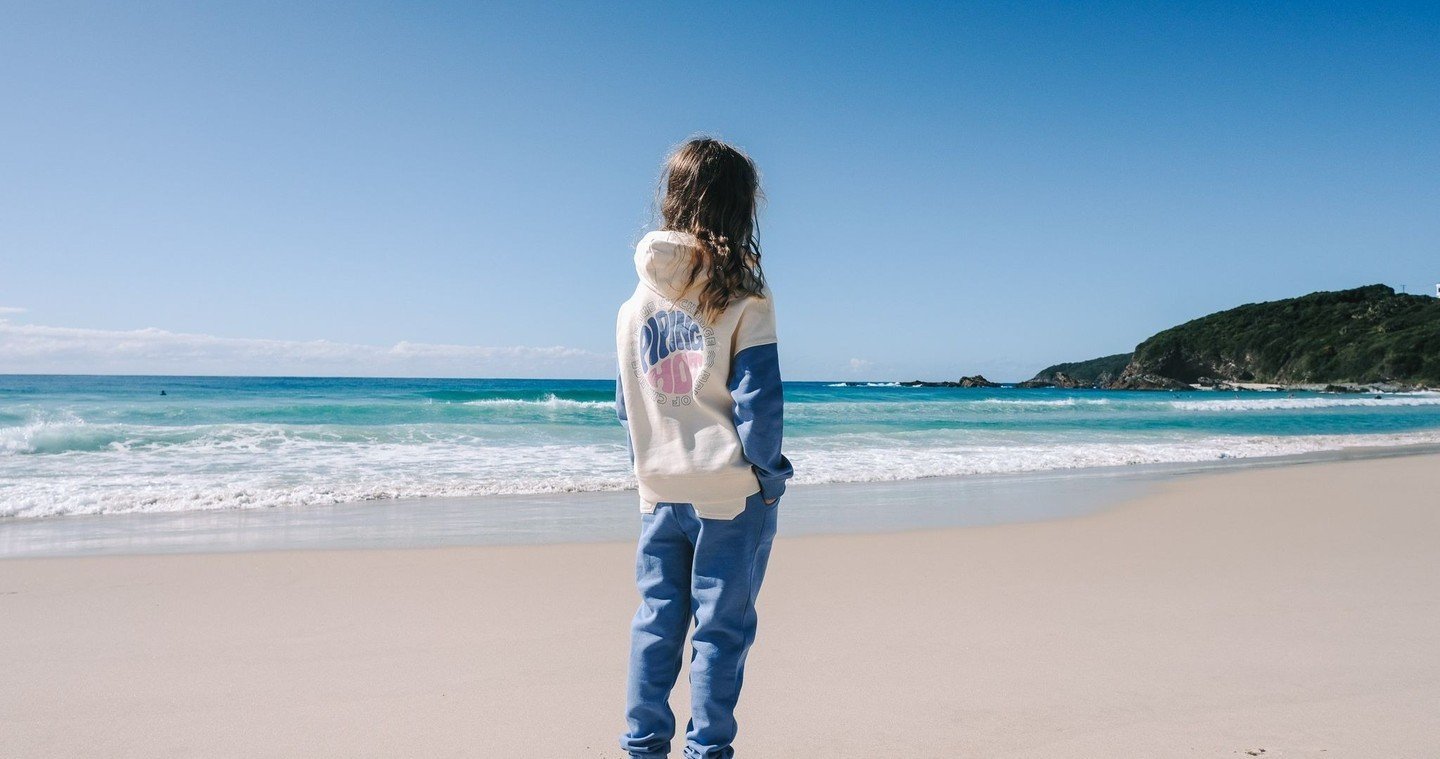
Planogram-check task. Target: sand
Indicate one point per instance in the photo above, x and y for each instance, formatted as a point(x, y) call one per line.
point(1294, 610)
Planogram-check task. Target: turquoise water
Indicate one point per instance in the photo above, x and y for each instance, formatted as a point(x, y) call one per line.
point(90, 445)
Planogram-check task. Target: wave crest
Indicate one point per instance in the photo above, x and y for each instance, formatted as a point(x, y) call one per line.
point(1288, 404)
point(550, 401)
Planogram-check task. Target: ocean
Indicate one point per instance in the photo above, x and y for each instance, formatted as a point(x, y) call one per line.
point(74, 445)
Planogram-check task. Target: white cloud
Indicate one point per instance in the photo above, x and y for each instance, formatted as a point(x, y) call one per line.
point(6, 310)
point(36, 349)
point(861, 365)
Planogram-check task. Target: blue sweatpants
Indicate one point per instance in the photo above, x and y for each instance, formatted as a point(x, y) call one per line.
point(711, 570)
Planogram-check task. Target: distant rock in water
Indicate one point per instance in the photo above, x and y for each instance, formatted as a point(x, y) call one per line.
point(976, 381)
point(1365, 337)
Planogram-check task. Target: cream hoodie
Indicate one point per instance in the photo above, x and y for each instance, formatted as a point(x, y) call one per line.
point(703, 401)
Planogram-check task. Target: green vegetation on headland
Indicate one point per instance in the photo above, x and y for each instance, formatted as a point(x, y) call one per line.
point(1365, 336)
point(1097, 372)
point(1340, 341)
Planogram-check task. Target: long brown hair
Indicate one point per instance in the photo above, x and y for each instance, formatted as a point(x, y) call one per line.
point(712, 191)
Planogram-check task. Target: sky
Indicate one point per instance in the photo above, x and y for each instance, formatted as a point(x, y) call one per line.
point(455, 189)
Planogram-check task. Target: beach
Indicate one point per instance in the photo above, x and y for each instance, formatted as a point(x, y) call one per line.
point(1283, 611)
point(1086, 355)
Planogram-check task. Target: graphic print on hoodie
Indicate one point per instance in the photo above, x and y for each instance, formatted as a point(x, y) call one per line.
point(702, 402)
point(675, 351)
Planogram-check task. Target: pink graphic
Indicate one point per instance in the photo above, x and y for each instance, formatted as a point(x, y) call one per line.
point(672, 351)
point(676, 372)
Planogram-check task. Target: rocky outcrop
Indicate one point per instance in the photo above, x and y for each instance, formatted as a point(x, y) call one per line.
point(1144, 381)
point(975, 381)
point(1097, 372)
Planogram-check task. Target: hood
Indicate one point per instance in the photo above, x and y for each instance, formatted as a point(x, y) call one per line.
point(663, 260)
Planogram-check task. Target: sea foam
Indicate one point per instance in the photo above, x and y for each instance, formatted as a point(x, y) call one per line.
point(1286, 404)
point(116, 445)
point(299, 473)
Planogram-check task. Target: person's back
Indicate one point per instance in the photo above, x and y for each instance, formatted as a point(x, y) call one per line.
point(699, 391)
point(675, 372)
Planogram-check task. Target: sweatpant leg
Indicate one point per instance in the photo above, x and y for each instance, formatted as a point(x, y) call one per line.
point(729, 566)
point(657, 633)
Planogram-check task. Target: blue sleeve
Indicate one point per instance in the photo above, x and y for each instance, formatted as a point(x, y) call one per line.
point(623, 417)
point(760, 415)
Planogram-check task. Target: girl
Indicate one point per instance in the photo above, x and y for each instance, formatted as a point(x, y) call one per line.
point(699, 394)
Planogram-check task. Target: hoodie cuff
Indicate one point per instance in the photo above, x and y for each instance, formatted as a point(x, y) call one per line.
point(772, 487)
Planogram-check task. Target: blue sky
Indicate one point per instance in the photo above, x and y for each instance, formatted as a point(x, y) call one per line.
point(455, 189)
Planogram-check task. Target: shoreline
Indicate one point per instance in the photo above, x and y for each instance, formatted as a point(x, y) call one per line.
point(1284, 608)
point(1340, 388)
point(609, 516)
point(72, 449)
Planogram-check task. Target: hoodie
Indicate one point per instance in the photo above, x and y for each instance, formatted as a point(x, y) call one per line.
point(701, 401)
